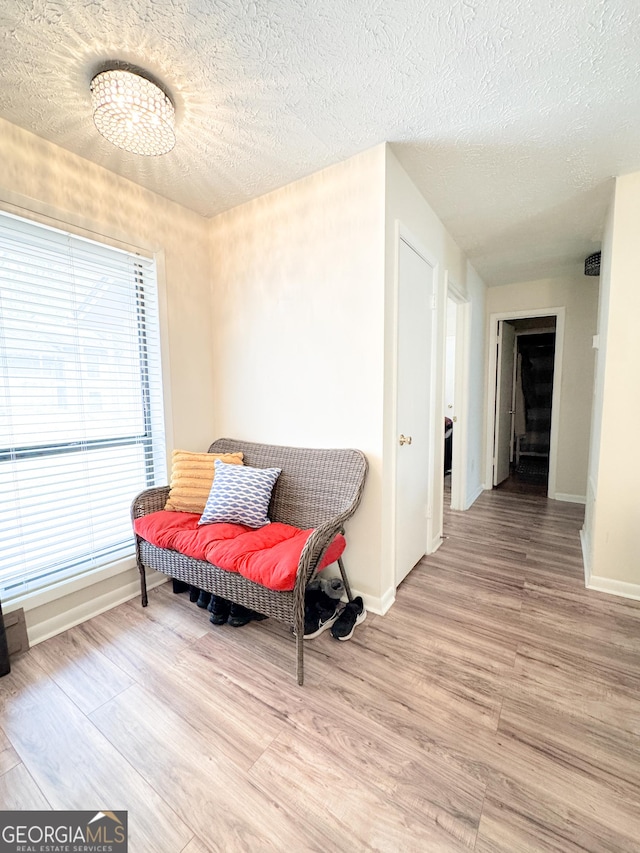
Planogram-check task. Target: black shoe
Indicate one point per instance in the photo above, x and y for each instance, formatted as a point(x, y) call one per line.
point(352, 615)
point(240, 616)
point(179, 586)
point(203, 599)
point(320, 612)
point(194, 593)
point(219, 608)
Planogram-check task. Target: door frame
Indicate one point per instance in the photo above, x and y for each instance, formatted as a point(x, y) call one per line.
point(403, 233)
point(559, 314)
point(460, 393)
point(500, 421)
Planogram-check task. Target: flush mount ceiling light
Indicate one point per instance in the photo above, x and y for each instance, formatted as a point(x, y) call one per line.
point(132, 112)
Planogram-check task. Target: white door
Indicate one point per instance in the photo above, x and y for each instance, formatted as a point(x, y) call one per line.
point(416, 278)
point(504, 397)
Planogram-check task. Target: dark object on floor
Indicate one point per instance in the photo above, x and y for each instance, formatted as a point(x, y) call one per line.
point(179, 586)
point(239, 616)
point(320, 611)
point(219, 608)
point(194, 594)
point(533, 469)
point(203, 599)
point(5, 666)
point(448, 444)
point(353, 614)
point(332, 587)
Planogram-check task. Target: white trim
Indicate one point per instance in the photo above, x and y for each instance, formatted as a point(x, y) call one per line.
point(572, 499)
point(473, 497)
point(405, 234)
point(377, 604)
point(68, 220)
point(436, 542)
point(559, 314)
point(68, 586)
point(460, 392)
point(614, 587)
point(94, 606)
point(586, 556)
point(623, 589)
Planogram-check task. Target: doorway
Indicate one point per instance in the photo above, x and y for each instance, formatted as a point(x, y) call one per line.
point(450, 416)
point(455, 400)
point(524, 397)
point(414, 421)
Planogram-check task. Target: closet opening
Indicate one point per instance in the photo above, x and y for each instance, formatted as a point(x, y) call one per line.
point(524, 401)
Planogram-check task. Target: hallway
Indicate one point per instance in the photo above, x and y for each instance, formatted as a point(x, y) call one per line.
point(496, 707)
point(547, 672)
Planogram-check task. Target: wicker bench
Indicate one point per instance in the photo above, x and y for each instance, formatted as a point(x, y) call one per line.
point(317, 489)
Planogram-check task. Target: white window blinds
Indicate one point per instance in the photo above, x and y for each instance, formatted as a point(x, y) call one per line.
point(81, 417)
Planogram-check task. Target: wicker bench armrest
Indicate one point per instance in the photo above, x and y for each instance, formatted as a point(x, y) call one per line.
point(315, 549)
point(151, 500)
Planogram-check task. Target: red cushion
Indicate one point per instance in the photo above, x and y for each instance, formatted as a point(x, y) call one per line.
point(269, 555)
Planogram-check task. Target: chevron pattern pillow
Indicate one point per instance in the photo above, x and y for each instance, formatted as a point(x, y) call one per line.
point(240, 495)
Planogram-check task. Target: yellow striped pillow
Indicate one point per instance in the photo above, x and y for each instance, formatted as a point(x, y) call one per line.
point(191, 478)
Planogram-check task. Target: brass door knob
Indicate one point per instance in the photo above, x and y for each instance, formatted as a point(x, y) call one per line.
point(405, 439)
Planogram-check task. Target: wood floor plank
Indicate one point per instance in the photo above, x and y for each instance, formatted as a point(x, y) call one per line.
point(80, 669)
point(73, 764)
point(518, 818)
point(136, 638)
point(208, 792)
point(197, 845)
point(356, 815)
point(565, 682)
point(19, 792)
point(600, 754)
point(8, 756)
point(430, 787)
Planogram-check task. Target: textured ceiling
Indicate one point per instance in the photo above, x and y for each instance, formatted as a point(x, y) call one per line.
point(511, 116)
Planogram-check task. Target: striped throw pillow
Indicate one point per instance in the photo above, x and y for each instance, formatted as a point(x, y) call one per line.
point(191, 478)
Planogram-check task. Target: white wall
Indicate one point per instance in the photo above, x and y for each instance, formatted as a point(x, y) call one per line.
point(578, 294)
point(613, 522)
point(475, 416)
point(298, 323)
point(406, 205)
point(450, 359)
point(39, 180)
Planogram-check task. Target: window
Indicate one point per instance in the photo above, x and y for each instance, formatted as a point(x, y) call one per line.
point(81, 418)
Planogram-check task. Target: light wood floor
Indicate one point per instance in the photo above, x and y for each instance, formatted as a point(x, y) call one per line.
point(496, 708)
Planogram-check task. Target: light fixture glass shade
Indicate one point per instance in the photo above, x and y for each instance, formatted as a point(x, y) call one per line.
point(133, 113)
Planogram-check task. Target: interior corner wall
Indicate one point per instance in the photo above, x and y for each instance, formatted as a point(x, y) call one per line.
point(578, 294)
point(476, 367)
point(598, 391)
point(614, 525)
point(42, 181)
point(298, 328)
point(405, 204)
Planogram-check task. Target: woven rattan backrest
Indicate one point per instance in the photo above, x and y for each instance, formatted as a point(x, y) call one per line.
point(315, 485)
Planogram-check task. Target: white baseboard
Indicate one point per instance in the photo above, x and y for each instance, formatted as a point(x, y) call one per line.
point(40, 629)
point(586, 556)
point(614, 587)
point(436, 542)
point(378, 604)
point(473, 497)
point(571, 499)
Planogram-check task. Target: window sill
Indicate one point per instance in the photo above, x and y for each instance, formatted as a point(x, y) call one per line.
point(66, 586)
